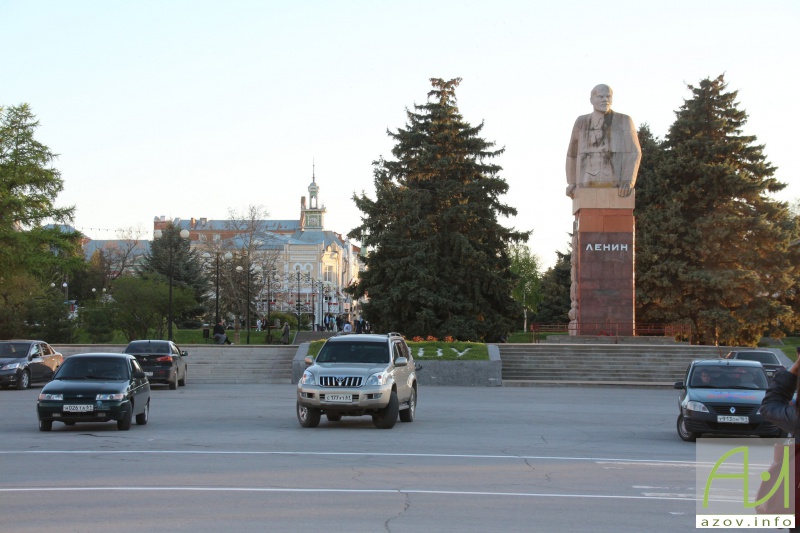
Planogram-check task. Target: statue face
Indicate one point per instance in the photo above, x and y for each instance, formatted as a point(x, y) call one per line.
point(601, 99)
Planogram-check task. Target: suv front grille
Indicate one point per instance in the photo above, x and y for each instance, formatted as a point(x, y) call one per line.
point(340, 381)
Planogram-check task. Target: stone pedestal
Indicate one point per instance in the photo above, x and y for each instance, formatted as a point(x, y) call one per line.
point(602, 264)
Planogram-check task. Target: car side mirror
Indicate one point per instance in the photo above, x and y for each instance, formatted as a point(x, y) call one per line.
point(417, 366)
point(139, 374)
point(184, 353)
point(309, 360)
point(401, 361)
point(678, 385)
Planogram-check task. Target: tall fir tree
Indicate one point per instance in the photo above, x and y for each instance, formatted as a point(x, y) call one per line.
point(713, 246)
point(554, 288)
point(437, 257)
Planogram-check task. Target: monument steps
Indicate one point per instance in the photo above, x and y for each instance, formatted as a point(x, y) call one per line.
point(607, 364)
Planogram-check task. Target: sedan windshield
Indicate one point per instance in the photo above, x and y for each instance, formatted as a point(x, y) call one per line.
point(728, 377)
point(14, 349)
point(354, 352)
point(94, 368)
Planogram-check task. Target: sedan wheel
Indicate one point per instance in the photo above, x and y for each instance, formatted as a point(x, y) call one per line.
point(684, 433)
point(125, 423)
point(173, 384)
point(24, 380)
point(45, 425)
point(142, 418)
point(182, 382)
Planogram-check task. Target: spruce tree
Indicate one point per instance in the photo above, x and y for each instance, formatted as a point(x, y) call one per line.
point(436, 255)
point(555, 285)
point(713, 246)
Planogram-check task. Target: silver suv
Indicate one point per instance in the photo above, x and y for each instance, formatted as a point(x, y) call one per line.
point(356, 375)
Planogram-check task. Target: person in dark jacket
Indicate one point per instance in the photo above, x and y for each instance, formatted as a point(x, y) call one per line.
point(778, 407)
point(220, 337)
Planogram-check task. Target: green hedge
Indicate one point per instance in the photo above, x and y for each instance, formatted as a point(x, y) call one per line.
point(430, 350)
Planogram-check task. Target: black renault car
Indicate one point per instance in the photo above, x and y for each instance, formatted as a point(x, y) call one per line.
point(96, 387)
point(162, 361)
point(723, 397)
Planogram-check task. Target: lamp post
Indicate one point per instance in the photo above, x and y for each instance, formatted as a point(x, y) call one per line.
point(273, 281)
point(247, 309)
point(227, 256)
point(184, 234)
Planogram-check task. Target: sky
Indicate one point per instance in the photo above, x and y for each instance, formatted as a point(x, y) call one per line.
point(199, 108)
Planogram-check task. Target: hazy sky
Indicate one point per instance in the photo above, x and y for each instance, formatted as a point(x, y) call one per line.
point(192, 108)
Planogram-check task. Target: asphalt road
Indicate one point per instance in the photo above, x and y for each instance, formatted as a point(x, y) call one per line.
point(233, 458)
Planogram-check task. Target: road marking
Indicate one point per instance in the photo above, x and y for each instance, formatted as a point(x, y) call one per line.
point(599, 460)
point(349, 491)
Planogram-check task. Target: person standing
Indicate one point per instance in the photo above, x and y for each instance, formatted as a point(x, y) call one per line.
point(285, 334)
point(779, 408)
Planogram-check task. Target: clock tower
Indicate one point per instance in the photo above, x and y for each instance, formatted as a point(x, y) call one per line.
point(313, 215)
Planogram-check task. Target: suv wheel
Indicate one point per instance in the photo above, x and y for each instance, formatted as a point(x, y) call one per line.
point(387, 417)
point(308, 416)
point(407, 415)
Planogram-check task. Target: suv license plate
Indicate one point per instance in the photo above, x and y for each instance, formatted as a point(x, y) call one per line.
point(80, 408)
point(733, 419)
point(338, 397)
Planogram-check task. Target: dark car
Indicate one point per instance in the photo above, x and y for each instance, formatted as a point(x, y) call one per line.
point(768, 359)
point(96, 387)
point(162, 361)
point(24, 362)
point(723, 397)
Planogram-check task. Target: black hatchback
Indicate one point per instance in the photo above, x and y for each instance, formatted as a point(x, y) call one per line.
point(162, 361)
point(723, 397)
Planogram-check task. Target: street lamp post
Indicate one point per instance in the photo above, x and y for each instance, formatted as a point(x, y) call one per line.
point(227, 256)
point(247, 309)
point(184, 235)
point(272, 280)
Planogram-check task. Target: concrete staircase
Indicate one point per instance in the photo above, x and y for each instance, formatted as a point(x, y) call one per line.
point(240, 364)
point(599, 364)
point(213, 363)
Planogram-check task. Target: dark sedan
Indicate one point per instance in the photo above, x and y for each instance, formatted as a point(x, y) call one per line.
point(162, 361)
point(23, 362)
point(768, 360)
point(723, 397)
point(96, 387)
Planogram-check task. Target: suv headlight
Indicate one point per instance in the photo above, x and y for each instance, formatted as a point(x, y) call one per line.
point(696, 406)
point(307, 379)
point(381, 378)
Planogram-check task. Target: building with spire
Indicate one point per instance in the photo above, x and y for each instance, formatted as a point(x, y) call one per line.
point(312, 265)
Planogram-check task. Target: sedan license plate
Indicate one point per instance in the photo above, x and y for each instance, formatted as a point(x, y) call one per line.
point(79, 408)
point(733, 419)
point(339, 398)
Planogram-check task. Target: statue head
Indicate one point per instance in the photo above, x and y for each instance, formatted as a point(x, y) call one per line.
point(601, 98)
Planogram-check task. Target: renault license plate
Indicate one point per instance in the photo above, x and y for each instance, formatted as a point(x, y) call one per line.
point(733, 419)
point(346, 398)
